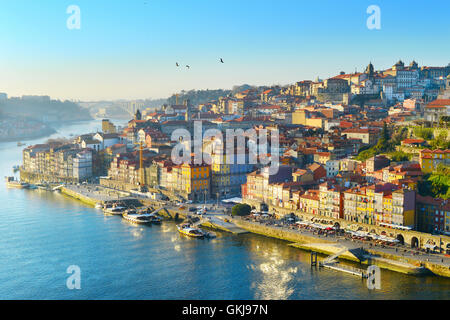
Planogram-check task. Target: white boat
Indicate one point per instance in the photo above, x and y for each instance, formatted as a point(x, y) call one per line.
point(144, 218)
point(114, 210)
point(98, 206)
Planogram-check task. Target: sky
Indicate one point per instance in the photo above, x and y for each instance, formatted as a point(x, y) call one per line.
point(128, 49)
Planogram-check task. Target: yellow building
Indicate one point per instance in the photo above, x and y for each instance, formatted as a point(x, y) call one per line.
point(108, 126)
point(220, 175)
point(196, 181)
point(303, 117)
point(430, 159)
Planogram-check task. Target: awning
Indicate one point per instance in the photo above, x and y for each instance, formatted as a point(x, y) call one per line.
point(232, 200)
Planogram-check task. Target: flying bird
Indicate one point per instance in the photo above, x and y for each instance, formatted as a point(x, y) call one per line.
point(187, 66)
point(177, 64)
point(221, 60)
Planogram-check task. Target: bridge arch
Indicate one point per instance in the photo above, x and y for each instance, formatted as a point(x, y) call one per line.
point(400, 238)
point(414, 242)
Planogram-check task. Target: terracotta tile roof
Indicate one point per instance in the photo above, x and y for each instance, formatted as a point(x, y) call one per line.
point(439, 103)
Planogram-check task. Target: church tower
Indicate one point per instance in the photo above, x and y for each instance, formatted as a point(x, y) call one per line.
point(370, 70)
point(138, 115)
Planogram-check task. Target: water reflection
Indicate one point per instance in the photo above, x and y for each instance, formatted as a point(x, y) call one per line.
point(275, 273)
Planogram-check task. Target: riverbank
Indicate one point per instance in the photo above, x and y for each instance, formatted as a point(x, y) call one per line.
point(355, 252)
point(94, 194)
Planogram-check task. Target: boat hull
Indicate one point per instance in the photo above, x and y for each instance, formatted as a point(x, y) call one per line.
point(16, 185)
point(112, 213)
point(136, 221)
point(192, 235)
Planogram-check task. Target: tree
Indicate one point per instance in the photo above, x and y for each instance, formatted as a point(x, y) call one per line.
point(241, 210)
point(385, 132)
point(399, 156)
point(424, 133)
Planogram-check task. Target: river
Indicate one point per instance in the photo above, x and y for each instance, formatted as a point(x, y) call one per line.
point(43, 233)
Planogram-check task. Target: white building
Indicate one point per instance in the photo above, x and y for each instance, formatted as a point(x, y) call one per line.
point(107, 139)
point(91, 144)
point(82, 165)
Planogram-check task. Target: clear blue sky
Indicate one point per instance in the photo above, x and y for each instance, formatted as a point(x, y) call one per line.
point(128, 49)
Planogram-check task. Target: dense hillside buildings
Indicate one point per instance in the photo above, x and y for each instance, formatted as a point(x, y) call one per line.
point(321, 125)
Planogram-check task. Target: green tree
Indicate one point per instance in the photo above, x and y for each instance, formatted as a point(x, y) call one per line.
point(241, 210)
point(436, 184)
point(398, 156)
point(424, 133)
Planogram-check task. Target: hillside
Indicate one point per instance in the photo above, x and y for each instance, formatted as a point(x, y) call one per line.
point(43, 109)
point(203, 96)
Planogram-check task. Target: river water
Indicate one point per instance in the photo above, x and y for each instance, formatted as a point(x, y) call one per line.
point(43, 233)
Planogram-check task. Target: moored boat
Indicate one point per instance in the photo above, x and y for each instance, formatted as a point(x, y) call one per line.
point(153, 217)
point(188, 230)
point(13, 183)
point(134, 217)
point(114, 210)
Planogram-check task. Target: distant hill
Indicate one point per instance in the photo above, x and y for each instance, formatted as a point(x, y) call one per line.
point(42, 108)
